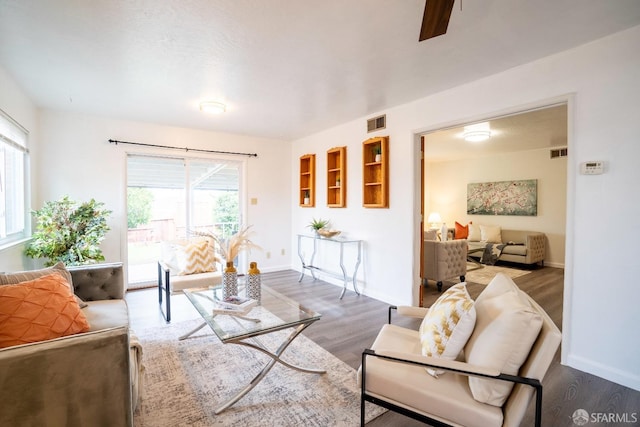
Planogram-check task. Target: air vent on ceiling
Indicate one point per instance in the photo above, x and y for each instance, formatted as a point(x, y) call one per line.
point(556, 153)
point(376, 123)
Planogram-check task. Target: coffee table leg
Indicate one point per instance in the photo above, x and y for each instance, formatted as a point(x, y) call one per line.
point(188, 334)
point(275, 358)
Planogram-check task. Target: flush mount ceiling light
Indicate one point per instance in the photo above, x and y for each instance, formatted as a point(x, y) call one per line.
point(477, 133)
point(212, 107)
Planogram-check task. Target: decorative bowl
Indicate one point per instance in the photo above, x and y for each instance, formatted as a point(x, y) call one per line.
point(328, 233)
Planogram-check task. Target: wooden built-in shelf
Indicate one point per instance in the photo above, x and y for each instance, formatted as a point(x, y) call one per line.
point(337, 177)
point(307, 192)
point(375, 176)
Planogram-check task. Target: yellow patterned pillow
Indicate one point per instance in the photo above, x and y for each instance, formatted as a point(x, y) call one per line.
point(448, 325)
point(195, 257)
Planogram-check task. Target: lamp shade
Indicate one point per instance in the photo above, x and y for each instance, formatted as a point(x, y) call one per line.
point(434, 218)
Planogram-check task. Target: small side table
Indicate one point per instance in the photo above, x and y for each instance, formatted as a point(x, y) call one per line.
point(345, 277)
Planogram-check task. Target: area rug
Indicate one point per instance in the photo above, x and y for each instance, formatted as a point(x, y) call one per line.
point(484, 275)
point(186, 380)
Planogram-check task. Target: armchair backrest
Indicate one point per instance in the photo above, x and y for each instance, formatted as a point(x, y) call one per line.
point(443, 260)
point(536, 366)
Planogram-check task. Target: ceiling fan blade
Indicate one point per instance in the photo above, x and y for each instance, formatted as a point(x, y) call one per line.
point(436, 18)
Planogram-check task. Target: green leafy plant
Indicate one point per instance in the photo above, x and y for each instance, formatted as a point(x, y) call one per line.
point(139, 202)
point(68, 232)
point(318, 224)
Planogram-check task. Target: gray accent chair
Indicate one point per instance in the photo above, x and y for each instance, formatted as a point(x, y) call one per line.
point(92, 378)
point(443, 260)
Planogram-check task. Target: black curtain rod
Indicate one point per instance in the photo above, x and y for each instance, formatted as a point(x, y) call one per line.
point(115, 141)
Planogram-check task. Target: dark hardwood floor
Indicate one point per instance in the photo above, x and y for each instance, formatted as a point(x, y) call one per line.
point(351, 324)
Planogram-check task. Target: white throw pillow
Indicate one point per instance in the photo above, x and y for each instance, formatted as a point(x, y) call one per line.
point(506, 328)
point(474, 233)
point(447, 325)
point(490, 234)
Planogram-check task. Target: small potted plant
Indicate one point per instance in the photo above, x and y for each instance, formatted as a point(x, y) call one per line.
point(377, 153)
point(305, 200)
point(318, 224)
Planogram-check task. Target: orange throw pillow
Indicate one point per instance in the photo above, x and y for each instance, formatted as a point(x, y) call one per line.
point(462, 231)
point(39, 310)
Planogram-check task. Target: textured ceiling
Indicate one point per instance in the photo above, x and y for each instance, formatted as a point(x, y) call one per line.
point(285, 68)
point(531, 130)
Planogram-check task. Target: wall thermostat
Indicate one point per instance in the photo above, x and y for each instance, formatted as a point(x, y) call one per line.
point(592, 168)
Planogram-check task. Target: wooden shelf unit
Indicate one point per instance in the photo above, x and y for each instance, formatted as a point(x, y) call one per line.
point(307, 180)
point(337, 177)
point(375, 173)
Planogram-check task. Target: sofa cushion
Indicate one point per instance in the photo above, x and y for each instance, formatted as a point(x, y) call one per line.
point(24, 276)
point(106, 314)
point(447, 325)
point(515, 250)
point(37, 310)
point(506, 328)
point(474, 233)
point(490, 234)
point(461, 231)
point(431, 234)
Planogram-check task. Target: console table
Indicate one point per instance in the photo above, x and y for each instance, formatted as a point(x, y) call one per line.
point(331, 241)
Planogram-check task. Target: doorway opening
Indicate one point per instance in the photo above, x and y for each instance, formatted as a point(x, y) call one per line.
point(521, 146)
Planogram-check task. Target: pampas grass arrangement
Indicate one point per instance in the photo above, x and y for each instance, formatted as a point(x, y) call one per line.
point(230, 248)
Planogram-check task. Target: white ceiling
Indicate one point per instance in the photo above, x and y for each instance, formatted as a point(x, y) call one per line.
point(530, 130)
point(285, 68)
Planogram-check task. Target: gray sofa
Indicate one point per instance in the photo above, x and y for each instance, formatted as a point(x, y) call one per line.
point(92, 378)
point(523, 247)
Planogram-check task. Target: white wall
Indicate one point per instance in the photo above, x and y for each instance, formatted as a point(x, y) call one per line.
point(447, 193)
point(77, 160)
point(601, 292)
point(19, 107)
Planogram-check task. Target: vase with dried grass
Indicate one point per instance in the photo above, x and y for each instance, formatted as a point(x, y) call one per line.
point(229, 249)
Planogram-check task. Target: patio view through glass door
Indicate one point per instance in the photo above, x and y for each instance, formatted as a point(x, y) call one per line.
point(170, 197)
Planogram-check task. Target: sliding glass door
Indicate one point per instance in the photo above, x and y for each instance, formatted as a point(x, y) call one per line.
point(170, 197)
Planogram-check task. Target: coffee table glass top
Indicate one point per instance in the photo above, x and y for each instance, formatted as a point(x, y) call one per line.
point(274, 312)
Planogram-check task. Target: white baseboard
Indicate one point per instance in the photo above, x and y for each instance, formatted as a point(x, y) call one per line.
point(625, 378)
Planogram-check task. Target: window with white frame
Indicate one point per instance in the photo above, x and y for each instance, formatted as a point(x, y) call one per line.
point(14, 156)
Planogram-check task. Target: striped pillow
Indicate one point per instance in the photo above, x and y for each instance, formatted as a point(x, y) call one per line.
point(195, 257)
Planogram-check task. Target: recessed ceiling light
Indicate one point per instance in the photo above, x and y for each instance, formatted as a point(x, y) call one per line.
point(477, 133)
point(212, 107)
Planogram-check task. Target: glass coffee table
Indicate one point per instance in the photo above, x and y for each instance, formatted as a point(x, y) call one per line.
point(275, 312)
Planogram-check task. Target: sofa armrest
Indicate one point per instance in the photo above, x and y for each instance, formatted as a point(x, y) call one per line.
point(411, 311)
point(78, 380)
point(98, 282)
point(535, 243)
point(437, 363)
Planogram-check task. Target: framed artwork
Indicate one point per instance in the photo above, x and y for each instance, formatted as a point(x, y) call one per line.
point(503, 198)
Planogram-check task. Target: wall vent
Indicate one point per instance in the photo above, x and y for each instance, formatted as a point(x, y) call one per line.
point(376, 123)
point(556, 153)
